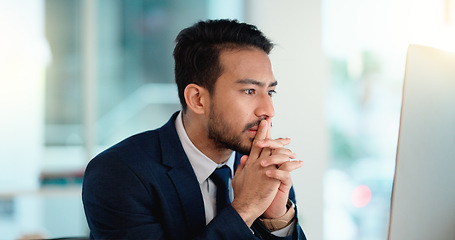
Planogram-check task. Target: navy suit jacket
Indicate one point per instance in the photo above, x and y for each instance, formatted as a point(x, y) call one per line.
point(145, 188)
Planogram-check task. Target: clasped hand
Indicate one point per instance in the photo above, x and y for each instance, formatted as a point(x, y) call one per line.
point(262, 180)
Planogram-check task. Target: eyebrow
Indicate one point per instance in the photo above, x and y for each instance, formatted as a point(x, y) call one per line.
point(256, 82)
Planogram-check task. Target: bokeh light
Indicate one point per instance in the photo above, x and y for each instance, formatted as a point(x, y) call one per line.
point(361, 196)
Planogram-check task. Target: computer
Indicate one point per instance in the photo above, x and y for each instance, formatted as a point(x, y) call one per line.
point(423, 196)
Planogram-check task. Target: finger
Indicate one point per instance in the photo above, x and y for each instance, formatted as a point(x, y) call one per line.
point(269, 128)
point(266, 152)
point(274, 143)
point(260, 135)
point(283, 176)
point(285, 151)
point(291, 165)
point(262, 131)
point(278, 158)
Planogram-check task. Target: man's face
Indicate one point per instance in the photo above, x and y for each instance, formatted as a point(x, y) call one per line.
point(241, 98)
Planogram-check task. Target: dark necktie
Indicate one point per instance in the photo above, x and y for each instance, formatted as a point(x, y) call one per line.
point(221, 179)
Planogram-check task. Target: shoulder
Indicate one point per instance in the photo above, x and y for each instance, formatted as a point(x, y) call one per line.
point(144, 146)
point(139, 152)
point(138, 144)
point(135, 147)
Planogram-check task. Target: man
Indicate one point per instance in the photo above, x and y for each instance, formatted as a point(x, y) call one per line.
point(158, 184)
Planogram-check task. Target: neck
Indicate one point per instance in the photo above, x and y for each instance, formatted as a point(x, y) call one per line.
point(195, 128)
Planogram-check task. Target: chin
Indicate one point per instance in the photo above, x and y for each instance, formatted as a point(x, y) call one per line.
point(245, 149)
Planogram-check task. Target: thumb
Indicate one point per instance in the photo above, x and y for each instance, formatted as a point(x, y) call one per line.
point(240, 167)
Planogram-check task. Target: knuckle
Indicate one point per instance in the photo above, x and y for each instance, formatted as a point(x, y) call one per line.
point(257, 143)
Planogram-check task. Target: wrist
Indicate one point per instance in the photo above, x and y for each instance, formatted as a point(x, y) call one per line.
point(275, 213)
point(274, 224)
point(245, 212)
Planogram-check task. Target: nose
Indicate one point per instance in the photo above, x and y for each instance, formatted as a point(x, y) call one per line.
point(265, 108)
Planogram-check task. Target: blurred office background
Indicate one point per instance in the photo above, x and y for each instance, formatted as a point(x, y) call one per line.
point(77, 76)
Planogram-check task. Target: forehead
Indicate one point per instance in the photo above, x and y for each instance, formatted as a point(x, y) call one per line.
point(245, 63)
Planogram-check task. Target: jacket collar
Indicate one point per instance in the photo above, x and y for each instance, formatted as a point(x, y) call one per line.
point(183, 177)
point(171, 147)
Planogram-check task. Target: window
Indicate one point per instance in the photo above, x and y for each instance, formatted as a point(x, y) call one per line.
point(366, 44)
point(81, 76)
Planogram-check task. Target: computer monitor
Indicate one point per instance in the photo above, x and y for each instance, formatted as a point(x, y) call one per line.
point(423, 196)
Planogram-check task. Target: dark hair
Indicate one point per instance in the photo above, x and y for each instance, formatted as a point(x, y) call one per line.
point(198, 47)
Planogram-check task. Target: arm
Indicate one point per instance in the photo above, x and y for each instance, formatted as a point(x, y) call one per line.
point(116, 203)
point(121, 205)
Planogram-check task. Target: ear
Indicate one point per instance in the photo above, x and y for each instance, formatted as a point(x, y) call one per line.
point(197, 98)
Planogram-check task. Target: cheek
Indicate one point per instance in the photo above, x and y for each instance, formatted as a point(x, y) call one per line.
point(240, 106)
point(236, 110)
point(238, 115)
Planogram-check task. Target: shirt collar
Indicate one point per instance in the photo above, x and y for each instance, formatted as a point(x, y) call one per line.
point(202, 165)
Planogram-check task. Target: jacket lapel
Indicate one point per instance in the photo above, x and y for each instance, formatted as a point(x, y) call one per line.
point(183, 178)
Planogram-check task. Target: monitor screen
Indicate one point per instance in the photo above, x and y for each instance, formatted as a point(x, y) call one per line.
point(423, 196)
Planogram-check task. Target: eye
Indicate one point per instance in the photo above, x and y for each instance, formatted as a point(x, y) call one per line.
point(249, 91)
point(271, 93)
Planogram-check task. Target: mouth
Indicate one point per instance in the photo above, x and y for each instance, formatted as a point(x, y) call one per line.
point(252, 127)
point(253, 130)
